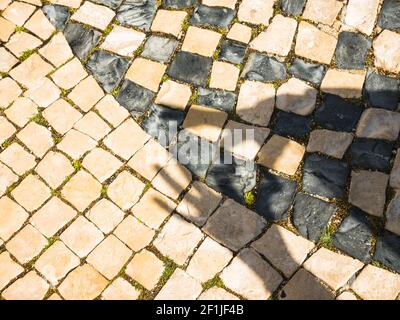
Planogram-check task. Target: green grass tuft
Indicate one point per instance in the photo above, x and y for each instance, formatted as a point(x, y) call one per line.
point(214, 282)
point(77, 165)
point(26, 54)
point(39, 119)
point(249, 198)
point(326, 237)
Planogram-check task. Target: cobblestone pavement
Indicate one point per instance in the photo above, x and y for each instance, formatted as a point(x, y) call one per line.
point(93, 204)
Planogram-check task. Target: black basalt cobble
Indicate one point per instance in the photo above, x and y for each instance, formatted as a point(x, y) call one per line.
point(113, 4)
point(338, 114)
point(387, 250)
point(81, 39)
point(137, 13)
point(178, 4)
point(232, 176)
point(107, 68)
point(311, 215)
point(311, 72)
point(352, 50)
point(371, 154)
point(292, 7)
point(354, 235)
point(390, 15)
point(159, 48)
point(135, 98)
point(212, 16)
point(381, 91)
point(222, 100)
point(190, 68)
point(195, 153)
point(232, 51)
point(325, 177)
point(260, 67)
point(163, 123)
point(274, 197)
point(292, 125)
point(57, 15)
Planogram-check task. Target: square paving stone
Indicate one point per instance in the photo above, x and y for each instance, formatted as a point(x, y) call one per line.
point(332, 268)
point(274, 196)
point(201, 41)
point(292, 125)
point(232, 51)
point(190, 68)
point(146, 73)
point(153, 208)
point(354, 235)
point(120, 289)
point(178, 4)
point(209, 259)
point(312, 72)
point(292, 7)
point(251, 276)
point(371, 154)
point(304, 286)
point(281, 154)
point(311, 215)
point(260, 67)
point(283, 248)
point(256, 11)
point(388, 250)
point(109, 256)
point(352, 50)
point(135, 98)
point(390, 15)
point(212, 16)
point(234, 225)
point(375, 283)
point(135, 234)
point(335, 113)
point(381, 91)
point(137, 13)
point(224, 76)
point(205, 122)
point(331, 143)
point(193, 152)
point(123, 41)
point(232, 176)
point(174, 95)
point(169, 21)
point(162, 124)
point(145, 268)
point(178, 239)
point(107, 68)
point(243, 140)
point(180, 286)
point(81, 39)
point(30, 286)
point(325, 177)
point(368, 191)
point(159, 48)
point(94, 15)
point(57, 15)
point(219, 99)
point(83, 283)
point(82, 236)
point(199, 203)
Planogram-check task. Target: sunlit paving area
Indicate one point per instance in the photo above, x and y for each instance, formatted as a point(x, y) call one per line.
point(199, 149)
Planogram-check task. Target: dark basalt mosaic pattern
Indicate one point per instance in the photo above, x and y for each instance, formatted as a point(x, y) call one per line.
point(311, 199)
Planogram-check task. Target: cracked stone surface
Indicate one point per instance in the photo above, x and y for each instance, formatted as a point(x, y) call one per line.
point(99, 200)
